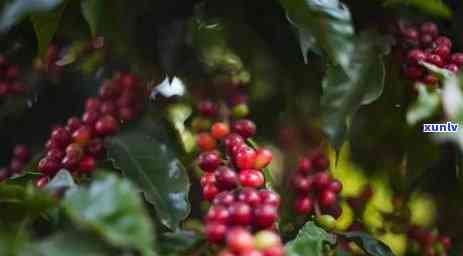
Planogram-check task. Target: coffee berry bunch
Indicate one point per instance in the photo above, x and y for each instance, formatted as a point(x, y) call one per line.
point(21, 155)
point(429, 243)
point(317, 192)
point(424, 43)
point(9, 83)
point(79, 144)
point(240, 242)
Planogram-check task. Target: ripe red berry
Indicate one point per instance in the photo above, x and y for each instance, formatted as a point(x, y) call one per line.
point(263, 158)
point(126, 114)
point(303, 205)
point(127, 99)
point(71, 162)
point(240, 213)
point(266, 215)
point(108, 108)
point(90, 117)
point(443, 51)
point(55, 154)
point(413, 72)
point(208, 108)
point(435, 59)
point(442, 40)
point(305, 165)
point(335, 186)
point(452, 68)
point(320, 162)
point(244, 127)
point(251, 178)
point(207, 178)
point(457, 59)
point(219, 130)
point(22, 152)
point(48, 166)
point(92, 105)
point(415, 56)
point(274, 251)
point(12, 72)
point(269, 197)
point(234, 150)
point(215, 232)
point(42, 182)
point(73, 124)
point(245, 158)
point(75, 150)
point(429, 28)
point(410, 33)
point(107, 91)
point(446, 242)
point(226, 178)
point(87, 164)
point(106, 126)
point(302, 184)
point(430, 79)
point(225, 198)
point(239, 240)
point(210, 191)
point(426, 40)
point(321, 180)
point(218, 214)
point(232, 140)
point(327, 198)
point(128, 81)
point(206, 142)
point(251, 253)
point(96, 148)
point(60, 136)
point(209, 161)
point(249, 196)
point(82, 136)
point(16, 165)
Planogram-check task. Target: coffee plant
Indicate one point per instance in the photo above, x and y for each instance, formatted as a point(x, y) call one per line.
point(231, 128)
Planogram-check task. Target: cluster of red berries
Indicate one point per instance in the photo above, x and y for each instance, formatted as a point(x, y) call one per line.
point(315, 188)
point(78, 145)
point(430, 243)
point(221, 174)
point(21, 155)
point(240, 242)
point(9, 75)
point(423, 43)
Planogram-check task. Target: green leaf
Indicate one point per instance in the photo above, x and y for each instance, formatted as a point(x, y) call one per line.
point(309, 241)
point(111, 208)
point(70, 243)
point(18, 9)
point(433, 7)
point(20, 204)
point(45, 26)
point(62, 181)
point(323, 26)
point(427, 103)
point(369, 244)
point(92, 10)
point(145, 153)
point(179, 242)
point(345, 92)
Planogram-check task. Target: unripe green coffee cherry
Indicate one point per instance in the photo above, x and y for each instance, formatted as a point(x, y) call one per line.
point(240, 111)
point(266, 239)
point(327, 222)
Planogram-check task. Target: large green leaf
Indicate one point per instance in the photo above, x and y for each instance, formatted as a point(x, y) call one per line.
point(309, 241)
point(93, 12)
point(433, 7)
point(145, 153)
point(45, 26)
point(17, 9)
point(369, 244)
point(362, 83)
point(112, 209)
point(323, 26)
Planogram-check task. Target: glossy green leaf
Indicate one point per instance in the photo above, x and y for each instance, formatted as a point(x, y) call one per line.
point(145, 153)
point(18, 9)
point(426, 104)
point(369, 244)
point(45, 26)
point(111, 208)
point(92, 11)
point(309, 241)
point(180, 242)
point(433, 7)
point(345, 92)
point(323, 26)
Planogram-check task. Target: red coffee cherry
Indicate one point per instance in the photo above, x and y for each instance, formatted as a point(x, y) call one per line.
point(250, 196)
point(452, 68)
point(42, 182)
point(60, 136)
point(321, 180)
point(335, 186)
point(215, 232)
point(55, 154)
point(327, 198)
point(226, 178)
point(92, 105)
point(457, 59)
point(73, 124)
point(269, 197)
point(220, 130)
point(304, 205)
point(16, 165)
point(210, 191)
point(82, 136)
point(90, 117)
point(246, 158)
point(224, 198)
point(413, 72)
point(240, 213)
point(435, 59)
point(233, 139)
point(429, 28)
point(106, 126)
point(209, 161)
point(87, 164)
point(442, 40)
point(48, 166)
point(415, 56)
point(218, 214)
point(96, 148)
point(263, 158)
point(430, 79)
point(208, 108)
point(239, 240)
point(244, 127)
point(265, 215)
point(22, 152)
point(251, 178)
point(305, 165)
point(206, 142)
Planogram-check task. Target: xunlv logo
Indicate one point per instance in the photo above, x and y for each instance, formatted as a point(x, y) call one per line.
point(448, 127)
